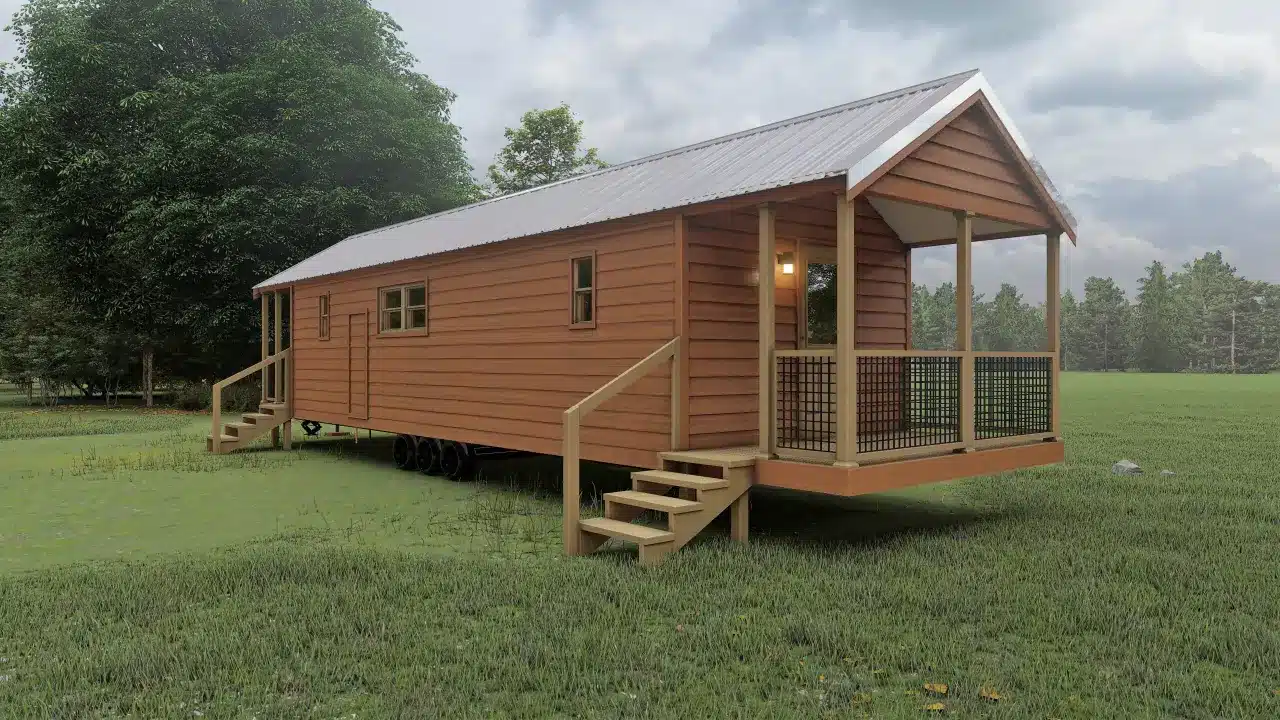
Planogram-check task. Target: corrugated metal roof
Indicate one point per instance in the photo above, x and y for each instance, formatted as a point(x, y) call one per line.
point(823, 144)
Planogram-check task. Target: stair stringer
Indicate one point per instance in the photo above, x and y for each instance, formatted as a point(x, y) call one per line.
point(685, 526)
point(269, 419)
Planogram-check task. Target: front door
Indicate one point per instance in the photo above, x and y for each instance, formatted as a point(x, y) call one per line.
point(358, 365)
point(819, 269)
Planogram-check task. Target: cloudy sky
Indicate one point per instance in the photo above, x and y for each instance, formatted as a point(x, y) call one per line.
point(1157, 118)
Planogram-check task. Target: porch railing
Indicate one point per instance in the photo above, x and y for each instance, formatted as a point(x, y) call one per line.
point(1012, 394)
point(911, 402)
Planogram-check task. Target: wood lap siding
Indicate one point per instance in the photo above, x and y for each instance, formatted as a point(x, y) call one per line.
point(723, 311)
point(500, 364)
point(966, 165)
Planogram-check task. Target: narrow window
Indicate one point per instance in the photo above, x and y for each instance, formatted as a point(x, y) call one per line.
point(324, 316)
point(583, 300)
point(403, 308)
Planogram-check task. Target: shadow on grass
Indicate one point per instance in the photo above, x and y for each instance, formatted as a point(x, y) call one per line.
point(808, 519)
point(788, 518)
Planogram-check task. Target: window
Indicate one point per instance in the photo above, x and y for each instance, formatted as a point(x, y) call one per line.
point(403, 308)
point(583, 300)
point(324, 316)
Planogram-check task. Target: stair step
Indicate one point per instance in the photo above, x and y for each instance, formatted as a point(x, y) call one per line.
point(257, 417)
point(727, 458)
point(650, 501)
point(273, 406)
point(238, 426)
point(638, 534)
point(682, 480)
point(225, 438)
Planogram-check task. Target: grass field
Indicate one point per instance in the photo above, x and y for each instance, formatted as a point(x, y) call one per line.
point(141, 577)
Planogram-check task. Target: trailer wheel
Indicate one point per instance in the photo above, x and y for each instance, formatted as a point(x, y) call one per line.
point(455, 461)
point(429, 456)
point(402, 452)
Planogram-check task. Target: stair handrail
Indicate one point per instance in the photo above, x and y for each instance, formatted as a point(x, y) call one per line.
point(217, 391)
point(573, 426)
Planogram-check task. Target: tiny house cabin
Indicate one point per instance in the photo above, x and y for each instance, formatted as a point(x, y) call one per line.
point(674, 314)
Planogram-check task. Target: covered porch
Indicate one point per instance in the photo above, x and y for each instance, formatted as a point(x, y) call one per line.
point(932, 414)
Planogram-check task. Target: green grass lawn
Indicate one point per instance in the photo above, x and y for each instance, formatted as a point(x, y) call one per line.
point(141, 577)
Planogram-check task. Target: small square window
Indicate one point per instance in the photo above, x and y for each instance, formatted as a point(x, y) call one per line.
point(403, 308)
point(583, 276)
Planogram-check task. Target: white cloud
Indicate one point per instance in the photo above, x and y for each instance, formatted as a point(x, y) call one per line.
point(1158, 89)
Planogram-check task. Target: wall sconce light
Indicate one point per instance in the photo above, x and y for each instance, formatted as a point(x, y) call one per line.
point(788, 262)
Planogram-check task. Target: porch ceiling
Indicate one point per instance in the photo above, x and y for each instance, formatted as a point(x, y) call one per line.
point(926, 225)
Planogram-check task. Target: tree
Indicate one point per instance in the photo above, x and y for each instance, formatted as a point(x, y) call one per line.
point(1210, 291)
point(1158, 323)
point(1006, 323)
point(1071, 332)
point(167, 156)
point(545, 148)
point(934, 317)
point(1104, 325)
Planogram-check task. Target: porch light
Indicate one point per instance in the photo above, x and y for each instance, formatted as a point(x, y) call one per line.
point(788, 262)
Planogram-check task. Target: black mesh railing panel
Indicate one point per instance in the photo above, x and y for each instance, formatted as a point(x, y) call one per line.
point(1012, 396)
point(907, 402)
point(806, 403)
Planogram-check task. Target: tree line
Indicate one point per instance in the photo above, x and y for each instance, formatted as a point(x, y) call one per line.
point(161, 158)
point(1203, 317)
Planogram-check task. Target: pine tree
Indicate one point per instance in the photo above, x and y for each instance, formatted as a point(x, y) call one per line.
point(1156, 340)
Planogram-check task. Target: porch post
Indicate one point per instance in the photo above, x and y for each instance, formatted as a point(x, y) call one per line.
point(964, 322)
point(278, 367)
point(1053, 319)
point(266, 300)
point(768, 259)
point(279, 345)
point(846, 339)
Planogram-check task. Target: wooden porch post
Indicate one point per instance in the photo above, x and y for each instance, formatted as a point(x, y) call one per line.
point(266, 349)
point(768, 259)
point(846, 339)
point(964, 322)
point(1053, 319)
point(278, 367)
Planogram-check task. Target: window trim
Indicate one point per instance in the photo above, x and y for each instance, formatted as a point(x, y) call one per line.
point(324, 312)
point(574, 290)
point(404, 308)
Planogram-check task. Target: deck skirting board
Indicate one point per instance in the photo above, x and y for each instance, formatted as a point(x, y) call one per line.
point(850, 481)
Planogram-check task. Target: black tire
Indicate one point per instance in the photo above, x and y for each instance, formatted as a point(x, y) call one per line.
point(429, 456)
point(404, 453)
point(455, 461)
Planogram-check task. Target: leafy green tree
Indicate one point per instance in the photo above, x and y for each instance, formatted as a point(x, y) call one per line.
point(170, 155)
point(546, 147)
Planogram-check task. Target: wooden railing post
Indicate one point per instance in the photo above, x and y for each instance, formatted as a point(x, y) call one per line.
point(1053, 319)
point(678, 398)
point(279, 345)
point(767, 263)
point(964, 323)
point(572, 497)
point(217, 418)
point(846, 338)
point(266, 349)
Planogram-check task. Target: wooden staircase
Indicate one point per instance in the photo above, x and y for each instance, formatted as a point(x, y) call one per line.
point(252, 425)
point(688, 502)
